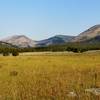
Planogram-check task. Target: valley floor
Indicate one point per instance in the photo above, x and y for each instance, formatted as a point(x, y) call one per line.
point(48, 76)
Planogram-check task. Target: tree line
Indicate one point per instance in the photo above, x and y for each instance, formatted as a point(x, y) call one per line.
point(73, 47)
point(9, 51)
point(70, 47)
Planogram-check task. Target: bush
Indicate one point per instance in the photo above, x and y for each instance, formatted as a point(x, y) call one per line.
point(5, 53)
point(13, 73)
point(83, 50)
point(15, 53)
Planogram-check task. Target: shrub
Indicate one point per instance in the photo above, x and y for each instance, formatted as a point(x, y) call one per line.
point(15, 53)
point(13, 73)
point(5, 53)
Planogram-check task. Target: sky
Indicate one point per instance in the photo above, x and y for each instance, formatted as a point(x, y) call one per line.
point(40, 19)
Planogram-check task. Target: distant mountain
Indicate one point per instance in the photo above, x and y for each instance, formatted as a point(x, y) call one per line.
point(58, 39)
point(20, 41)
point(88, 35)
point(91, 35)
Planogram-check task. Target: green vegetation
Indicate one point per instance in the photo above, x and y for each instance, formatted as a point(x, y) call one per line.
point(73, 47)
point(50, 77)
point(15, 52)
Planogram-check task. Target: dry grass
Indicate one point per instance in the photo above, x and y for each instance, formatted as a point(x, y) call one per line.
point(49, 77)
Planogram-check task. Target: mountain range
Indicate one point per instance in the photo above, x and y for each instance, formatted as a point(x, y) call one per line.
point(91, 35)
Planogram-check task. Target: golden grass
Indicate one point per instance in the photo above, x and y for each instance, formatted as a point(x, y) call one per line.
point(49, 77)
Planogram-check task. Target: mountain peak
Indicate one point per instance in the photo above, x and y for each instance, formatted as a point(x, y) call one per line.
point(55, 40)
point(19, 36)
point(90, 33)
point(93, 28)
point(20, 40)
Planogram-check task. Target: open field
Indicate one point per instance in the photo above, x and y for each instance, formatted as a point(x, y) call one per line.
point(67, 76)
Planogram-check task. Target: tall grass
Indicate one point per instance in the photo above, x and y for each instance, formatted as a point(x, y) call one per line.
point(50, 77)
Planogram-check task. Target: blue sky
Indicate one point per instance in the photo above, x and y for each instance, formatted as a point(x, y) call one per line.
point(41, 19)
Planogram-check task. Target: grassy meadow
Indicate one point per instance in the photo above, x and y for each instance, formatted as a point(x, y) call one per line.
point(50, 76)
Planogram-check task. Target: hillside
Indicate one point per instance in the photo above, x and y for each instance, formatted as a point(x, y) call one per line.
point(7, 45)
point(20, 41)
point(58, 39)
point(89, 34)
point(93, 40)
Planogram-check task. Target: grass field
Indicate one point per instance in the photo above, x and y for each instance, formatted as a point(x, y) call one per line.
point(50, 77)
